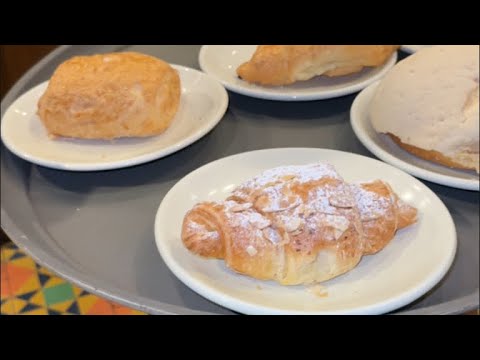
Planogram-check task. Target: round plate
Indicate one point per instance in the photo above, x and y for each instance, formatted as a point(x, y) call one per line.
point(412, 48)
point(408, 267)
point(202, 105)
point(222, 61)
point(387, 150)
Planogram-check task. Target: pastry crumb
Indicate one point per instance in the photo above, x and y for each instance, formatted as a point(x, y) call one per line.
point(318, 290)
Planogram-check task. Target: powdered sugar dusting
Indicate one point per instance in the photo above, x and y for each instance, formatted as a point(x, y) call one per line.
point(258, 220)
point(276, 200)
point(272, 235)
point(371, 205)
point(320, 202)
point(197, 228)
point(302, 211)
point(329, 198)
point(301, 173)
point(246, 217)
point(275, 195)
point(342, 198)
point(271, 191)
point(241, 207)
point(339, 223)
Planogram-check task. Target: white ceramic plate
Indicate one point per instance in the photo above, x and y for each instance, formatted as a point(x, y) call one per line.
point(387, 150)
point(221, 61)
point(202, 105)
point(412, 48)
point(407, 268)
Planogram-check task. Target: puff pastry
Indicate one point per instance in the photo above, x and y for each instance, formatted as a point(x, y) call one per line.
point(296, 224)
point(110, 96)
point(285, 64)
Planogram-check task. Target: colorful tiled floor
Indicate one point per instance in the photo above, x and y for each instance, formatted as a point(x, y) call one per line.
point(29, 289)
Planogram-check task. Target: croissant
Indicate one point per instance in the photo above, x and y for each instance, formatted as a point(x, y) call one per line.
point(285, 64)
point(296, 224)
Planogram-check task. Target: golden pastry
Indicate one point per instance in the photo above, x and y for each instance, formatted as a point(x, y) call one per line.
point(285, 64)
point(429, 105)
point(296, 224)
point(110, 96)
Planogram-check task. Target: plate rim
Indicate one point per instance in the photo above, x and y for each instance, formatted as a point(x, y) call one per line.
point(248, 308)
point(357, 123)
point(223, 102)
point(265, 95)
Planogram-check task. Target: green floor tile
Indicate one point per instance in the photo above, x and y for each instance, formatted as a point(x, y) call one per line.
point(58, 293)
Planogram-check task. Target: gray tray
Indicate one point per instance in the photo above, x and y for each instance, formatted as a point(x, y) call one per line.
point(96, 229)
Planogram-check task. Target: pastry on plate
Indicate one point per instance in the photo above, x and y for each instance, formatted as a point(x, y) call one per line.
point(297, 224)
point(285, 64)
point(429, 105)
point(110, 96)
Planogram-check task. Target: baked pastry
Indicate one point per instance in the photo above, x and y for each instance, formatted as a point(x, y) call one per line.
point(382, 213)
point(110, 96)
point(429, 105)
point(296, 224)
point(285, 64)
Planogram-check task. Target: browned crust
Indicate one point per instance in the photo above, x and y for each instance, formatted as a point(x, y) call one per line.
point(109, 96)
point(430, 155)
point(309, 253)
point(277, 65)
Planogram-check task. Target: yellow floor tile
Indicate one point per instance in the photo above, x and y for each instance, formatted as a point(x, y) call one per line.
point(38, 299)
point(53, 281)
point(41, 311)
point(18, 304)
point(62, 306)
point(77, 291)
point(86, 302)
point(7, 308)
point(7, 254)
point(31, 284)
point(26, 262)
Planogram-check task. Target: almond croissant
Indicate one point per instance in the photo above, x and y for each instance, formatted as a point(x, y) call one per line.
point(296, 224)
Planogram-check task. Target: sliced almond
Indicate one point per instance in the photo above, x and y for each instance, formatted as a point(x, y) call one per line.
point(270, 184)
point(293, 224)
point(261, 202)
point(282, 208)
point(251, 250)
point(301, 210)
point(288, 177)
point(370, 216)
point(309, 211)
point(341, 201)
point(337, 233)
point(341, 224)
point(272, 235)
point(241, 207)
point(260, 223)
point(297, 232)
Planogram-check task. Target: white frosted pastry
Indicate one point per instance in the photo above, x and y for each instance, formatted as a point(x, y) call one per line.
point(429, 104)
